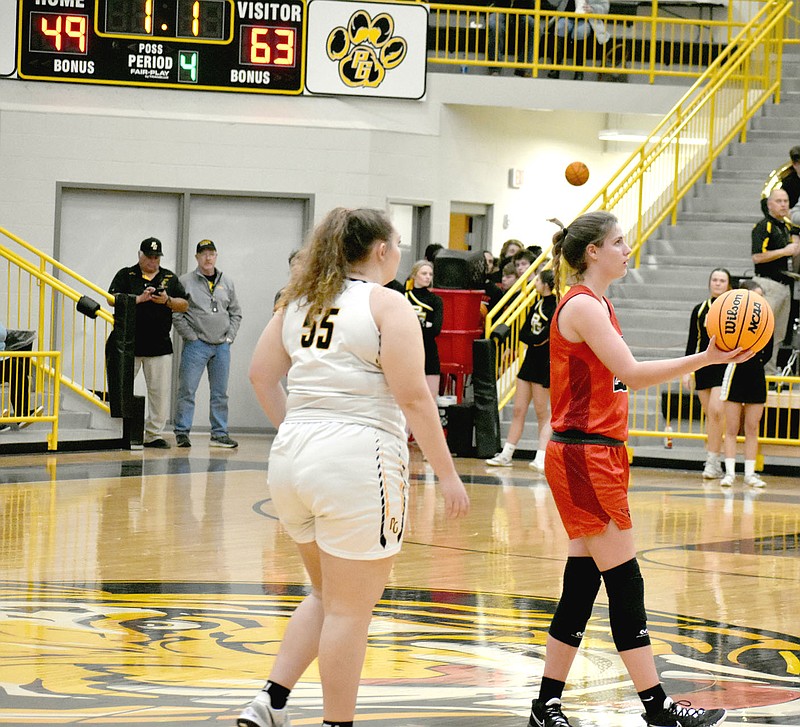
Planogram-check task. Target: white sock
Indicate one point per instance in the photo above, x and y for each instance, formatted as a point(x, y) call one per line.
point(539, 458)
point(508, 450)
point(730, 466)
point(712, 458)
point(749, 467)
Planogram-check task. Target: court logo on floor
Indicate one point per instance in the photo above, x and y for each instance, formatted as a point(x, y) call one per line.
point(144, 653)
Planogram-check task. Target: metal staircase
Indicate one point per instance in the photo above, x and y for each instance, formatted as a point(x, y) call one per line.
point(654, 301)
point(713, 230)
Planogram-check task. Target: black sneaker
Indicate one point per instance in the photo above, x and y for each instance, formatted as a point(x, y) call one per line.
point(547, 714)
point(223, 441)
point(182, 440)
point(682, 714)
point(157, 444)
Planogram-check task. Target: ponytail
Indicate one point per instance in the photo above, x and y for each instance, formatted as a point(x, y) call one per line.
point(341, 240)
point(558, 243)
point(570, 243)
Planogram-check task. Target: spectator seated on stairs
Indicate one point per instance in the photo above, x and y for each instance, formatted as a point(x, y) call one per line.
point(16, 372)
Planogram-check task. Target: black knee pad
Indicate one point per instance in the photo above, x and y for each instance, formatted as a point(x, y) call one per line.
point(581, 584)
point(625, 588)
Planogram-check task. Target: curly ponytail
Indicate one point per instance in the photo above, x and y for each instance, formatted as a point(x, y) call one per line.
point(342, 239)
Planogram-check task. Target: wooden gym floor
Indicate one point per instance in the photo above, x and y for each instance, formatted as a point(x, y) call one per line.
point(148, 588)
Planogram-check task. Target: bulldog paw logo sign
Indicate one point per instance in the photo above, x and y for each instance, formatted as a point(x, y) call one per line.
point(366, 49)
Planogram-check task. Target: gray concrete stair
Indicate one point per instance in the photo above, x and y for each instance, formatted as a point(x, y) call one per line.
point(654, 301)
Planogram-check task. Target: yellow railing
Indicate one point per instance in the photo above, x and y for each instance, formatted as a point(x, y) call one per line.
point(41, 294)
point(527, 41)
point(23, 402)
point(670, 411)
point(503, 324)
point(647, 188)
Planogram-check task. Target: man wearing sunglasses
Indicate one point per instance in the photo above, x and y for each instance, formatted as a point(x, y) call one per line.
point(208, 329)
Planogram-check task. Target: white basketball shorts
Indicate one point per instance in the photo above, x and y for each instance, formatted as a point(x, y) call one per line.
point(342, 485)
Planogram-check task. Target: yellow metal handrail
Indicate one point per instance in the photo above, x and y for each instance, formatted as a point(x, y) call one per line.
point(44, 258)
point(527, 40)
point(38, 300)
point(43, 403)
point(510, 313)
point(670, 411)
point(646, 189)
point(682, 148)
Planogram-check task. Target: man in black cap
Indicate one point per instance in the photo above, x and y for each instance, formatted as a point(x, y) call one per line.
point(208, 329)
point(158, 293)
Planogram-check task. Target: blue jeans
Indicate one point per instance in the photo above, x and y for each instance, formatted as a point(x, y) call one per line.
point(496, 37)
point(198, 356)
point(566, 27)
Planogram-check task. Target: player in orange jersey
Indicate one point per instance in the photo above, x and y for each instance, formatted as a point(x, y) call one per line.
point(587, 469)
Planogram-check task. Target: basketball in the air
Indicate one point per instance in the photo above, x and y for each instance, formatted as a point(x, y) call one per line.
point(577, 173)
point(740, 318)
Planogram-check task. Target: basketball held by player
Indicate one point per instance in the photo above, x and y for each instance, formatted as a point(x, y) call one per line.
point(352, 354)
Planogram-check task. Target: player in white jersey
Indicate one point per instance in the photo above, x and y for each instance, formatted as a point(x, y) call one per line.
point(353, 356)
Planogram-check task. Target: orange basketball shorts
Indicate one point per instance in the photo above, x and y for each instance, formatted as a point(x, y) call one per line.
point(589, 483)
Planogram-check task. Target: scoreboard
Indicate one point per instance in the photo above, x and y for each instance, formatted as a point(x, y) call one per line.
point(220, 45)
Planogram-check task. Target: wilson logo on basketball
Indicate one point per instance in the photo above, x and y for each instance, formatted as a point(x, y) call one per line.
point(732, 315)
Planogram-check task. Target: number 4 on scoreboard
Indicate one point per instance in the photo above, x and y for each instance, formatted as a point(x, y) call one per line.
point(187, 66)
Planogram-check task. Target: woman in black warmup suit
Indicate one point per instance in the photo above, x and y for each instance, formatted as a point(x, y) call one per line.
point(429, 310)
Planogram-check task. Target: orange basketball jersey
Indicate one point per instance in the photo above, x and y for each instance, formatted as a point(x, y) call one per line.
point(584, 394)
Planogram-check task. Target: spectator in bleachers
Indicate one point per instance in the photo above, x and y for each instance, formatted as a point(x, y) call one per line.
point(510, 41)
point(573, 36)
point(495, 291)
point(535, 249)
point(491, 263)
point(708, 380)
point(507, 251)
point(523, 260)
point(432, 250)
